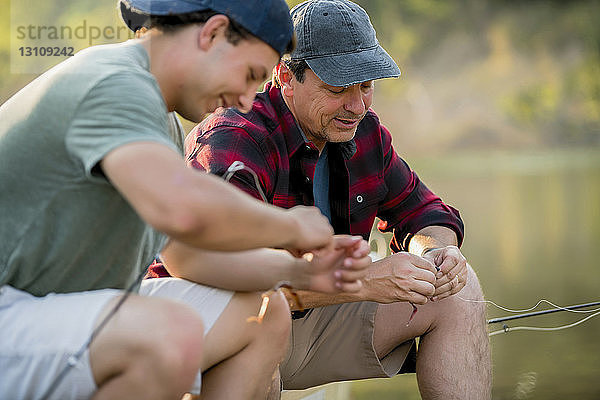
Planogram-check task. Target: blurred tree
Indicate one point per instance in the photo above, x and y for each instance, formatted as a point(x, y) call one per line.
point(491, 72)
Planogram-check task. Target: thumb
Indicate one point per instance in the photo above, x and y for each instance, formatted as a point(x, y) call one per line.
point(346, 241)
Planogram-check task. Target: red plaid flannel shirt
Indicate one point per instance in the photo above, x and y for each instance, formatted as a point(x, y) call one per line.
point(367, 177)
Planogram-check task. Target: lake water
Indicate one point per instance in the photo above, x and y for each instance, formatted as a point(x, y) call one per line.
point(532, 232)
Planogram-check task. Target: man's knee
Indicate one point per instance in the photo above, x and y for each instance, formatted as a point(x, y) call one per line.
point(173, 346)
point(278, 317)
point(473, 287)
point(184, 334)
point(470, 300)
point(158, 339)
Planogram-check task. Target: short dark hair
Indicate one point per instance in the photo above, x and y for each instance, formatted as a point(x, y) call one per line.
point(297, 67)
point(172, 23)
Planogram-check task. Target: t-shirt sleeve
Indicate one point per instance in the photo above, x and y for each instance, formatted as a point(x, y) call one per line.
point(119, 109)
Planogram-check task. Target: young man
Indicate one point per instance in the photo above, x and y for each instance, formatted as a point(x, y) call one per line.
point(312, 140)
point(93, 183)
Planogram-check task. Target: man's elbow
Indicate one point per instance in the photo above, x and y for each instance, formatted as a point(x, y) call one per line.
point(179, 222)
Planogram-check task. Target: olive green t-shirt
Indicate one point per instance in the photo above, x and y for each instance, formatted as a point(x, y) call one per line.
point(63, 226)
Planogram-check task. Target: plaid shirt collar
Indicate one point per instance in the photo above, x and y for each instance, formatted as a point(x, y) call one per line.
point(294, 137)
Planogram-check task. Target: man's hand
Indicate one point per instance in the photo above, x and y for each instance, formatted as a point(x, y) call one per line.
point(336, 268)
point(314, 230)
point(400, 277)
point(452, 274)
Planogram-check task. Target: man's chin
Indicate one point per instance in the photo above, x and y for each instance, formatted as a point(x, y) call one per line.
point(340, 136)
point(196, 115)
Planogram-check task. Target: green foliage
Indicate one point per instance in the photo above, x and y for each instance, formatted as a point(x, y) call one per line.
point(535, 65)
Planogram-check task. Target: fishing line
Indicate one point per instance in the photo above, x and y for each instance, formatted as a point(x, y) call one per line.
point(73, 360)
point(240, 166)
point(506, 328)
point(531, 308)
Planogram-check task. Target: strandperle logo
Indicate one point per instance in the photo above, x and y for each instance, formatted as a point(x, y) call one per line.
point(91, 33)
point(35, 47)
point(43, 34)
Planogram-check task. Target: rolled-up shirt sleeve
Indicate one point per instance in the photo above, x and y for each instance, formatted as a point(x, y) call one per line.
point(409, 205)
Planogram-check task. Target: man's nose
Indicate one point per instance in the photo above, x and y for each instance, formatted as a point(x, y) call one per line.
point(245, 100)
point(355, 102)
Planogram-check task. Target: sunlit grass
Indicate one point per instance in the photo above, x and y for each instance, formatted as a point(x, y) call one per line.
point(400, 387)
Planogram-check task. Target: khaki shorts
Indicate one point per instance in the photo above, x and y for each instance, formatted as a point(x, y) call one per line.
point(335, 343)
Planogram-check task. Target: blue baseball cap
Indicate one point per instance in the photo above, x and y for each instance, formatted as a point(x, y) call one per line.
point(268, 20)
point(339, 44)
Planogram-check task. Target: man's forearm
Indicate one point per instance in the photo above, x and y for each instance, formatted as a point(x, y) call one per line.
point(252, 270)
point(432, 237)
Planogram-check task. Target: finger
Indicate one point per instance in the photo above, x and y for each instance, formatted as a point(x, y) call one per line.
point(345, 241)
point(447, 286)
point(448, 293)
point(434, 256)
point(448, 262)
point(424, 275)
point(350, 287)
point(450, 288)
point(349, 276)
point(361, 249)
point(357, 263)
point(448, 276)
point(450, 284)
point(441, 282)
point(442, 290)
point(423, 263)
point(457, 270)
point(423, 288)
point(329, 253)
point(417, 298)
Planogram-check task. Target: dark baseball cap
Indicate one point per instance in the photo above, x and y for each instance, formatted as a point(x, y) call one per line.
point(339, 44)
point(268, 20)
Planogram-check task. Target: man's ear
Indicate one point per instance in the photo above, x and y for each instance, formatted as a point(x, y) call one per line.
point(213, 29)
point(285, 77)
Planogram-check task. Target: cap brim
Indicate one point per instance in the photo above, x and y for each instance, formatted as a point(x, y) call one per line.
point(152, 7)
point(352, 68)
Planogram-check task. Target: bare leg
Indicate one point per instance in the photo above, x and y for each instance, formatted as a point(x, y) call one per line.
point(149, 349)
point(453, 360)
point(275, 389)
point(241, 357)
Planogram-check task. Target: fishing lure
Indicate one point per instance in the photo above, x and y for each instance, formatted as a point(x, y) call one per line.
point(412, 315)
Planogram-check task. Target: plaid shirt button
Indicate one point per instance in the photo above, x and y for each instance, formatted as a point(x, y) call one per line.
point(359, 198)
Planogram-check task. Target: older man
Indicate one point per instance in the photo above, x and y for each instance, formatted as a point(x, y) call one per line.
point(312, 139)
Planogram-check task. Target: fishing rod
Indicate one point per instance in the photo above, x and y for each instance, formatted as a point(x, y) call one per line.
point(550, 311)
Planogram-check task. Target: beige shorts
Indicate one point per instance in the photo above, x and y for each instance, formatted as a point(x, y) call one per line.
point(335, 343)
point(39, 335)
point(209, 302)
